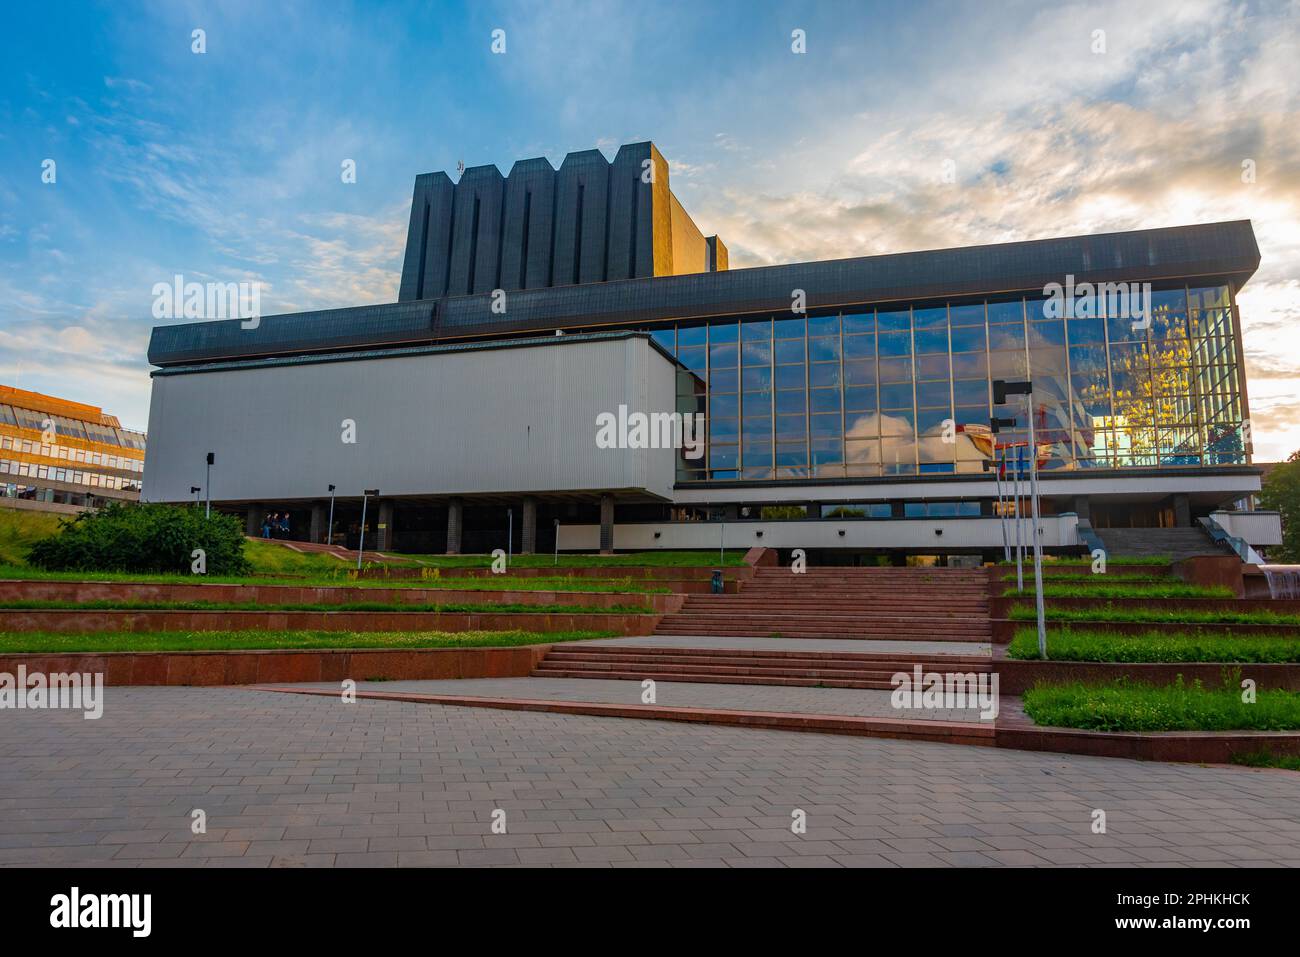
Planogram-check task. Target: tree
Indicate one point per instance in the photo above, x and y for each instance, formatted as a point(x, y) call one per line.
point(1281, 493)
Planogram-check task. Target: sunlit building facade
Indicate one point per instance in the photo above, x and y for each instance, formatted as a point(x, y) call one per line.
point(59, 455)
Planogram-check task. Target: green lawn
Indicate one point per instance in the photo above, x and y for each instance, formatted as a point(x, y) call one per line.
point(1121, 589)
point(20, 530)
point(665, 559)
point(1025, 612)
point(1049, 560)
point(1177, 707)
point(458, 607)
point(1068, 644)
point(1267, 759)
point(16, 642)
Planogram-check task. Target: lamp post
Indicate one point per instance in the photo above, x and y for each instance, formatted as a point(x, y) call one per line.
point(329, 529)
point(361, 546)
point(996, 424)
point(1001, 389)
point(557, 541)
point(510, 536)
point(212, 456)
point(195, 490)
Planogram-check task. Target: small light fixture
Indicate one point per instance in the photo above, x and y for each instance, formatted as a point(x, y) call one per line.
point(657, 534)
point(759, 533)
point(938, 531)
point(841, 533)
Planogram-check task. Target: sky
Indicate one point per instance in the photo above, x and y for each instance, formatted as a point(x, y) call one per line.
point(224, 166)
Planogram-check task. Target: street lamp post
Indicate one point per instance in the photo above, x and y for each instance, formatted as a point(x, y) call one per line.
point(212, 456)
point(1001, 389)
point(996, 424)
point(195, 490)
point(557, 541)
point(329, 529)
point(361, 545)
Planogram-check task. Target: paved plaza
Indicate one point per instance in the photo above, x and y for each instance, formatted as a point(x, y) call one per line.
point(297, 781)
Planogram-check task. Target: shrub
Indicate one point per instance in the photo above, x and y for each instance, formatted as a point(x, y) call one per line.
point(144, 538)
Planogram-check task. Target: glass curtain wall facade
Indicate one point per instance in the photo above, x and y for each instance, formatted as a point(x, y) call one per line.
point(906, 390)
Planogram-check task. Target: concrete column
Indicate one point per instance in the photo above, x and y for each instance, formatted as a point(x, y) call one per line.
point(528, 535)
point(1182, 510)
point(318, 518)
point(253, 520)
point(453, 526)
point(384, 531)
point(607, 524)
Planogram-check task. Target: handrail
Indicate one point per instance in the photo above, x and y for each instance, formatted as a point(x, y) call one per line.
point(1238, 545)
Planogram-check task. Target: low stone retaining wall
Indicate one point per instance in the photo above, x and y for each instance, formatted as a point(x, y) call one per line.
point(1016, 676)
point(1004, 629)
point(33, 590)
point(1001, 605)
point(94, 621)
point(1016, 730)
point(260, 667)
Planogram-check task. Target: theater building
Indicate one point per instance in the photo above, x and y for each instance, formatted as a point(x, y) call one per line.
point(847, 403)
point(62, 456)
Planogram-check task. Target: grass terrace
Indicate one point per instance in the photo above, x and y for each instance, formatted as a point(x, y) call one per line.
point(1050, 560)
point(1068, 644)
point(1122, 589)
point(1109, 613)
point(455, 607)
point(19, 642)
point(1124, 706)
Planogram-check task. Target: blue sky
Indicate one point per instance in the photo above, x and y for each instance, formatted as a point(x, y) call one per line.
point(226, 165)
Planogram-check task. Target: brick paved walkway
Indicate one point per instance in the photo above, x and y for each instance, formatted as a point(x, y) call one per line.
point(301, 781)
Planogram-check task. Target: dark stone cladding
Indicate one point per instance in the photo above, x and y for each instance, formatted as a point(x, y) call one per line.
point(1199, 253)
point(589, 221)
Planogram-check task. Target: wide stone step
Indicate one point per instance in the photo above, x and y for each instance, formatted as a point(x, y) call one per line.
point(868, 684)
point(813, 632)
point(848, 673)
point(868, 659)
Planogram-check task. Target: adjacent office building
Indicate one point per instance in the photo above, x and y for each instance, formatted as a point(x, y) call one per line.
point(62, 456)
point(847, 404)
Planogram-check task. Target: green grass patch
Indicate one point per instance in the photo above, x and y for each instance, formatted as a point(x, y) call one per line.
point(18, 642)
point(1049, 560)
point(1068, 644)
point(1267, 759)
point(1127, 706)
point(1110, 613)
point(460, 607)
point(1122, 589)
point(1072, 578)
point(666, 559)
point(20, 529)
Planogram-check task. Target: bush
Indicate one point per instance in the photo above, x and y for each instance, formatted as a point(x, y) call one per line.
point(144, 538)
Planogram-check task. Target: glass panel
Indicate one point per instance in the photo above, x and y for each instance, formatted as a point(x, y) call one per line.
point(822, 350)
point(824, 374)
point(895, 343)
point(824, 325)
point(860, 398)
point(752, 330)
point(859, 322)
point(790, 377)
point(790, 350)
point(859, 347)
point(794, 327)
point(894, 321)
point(969, 339)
